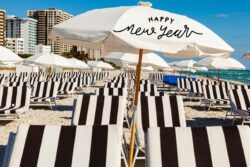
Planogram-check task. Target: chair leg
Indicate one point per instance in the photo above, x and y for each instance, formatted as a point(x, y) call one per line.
point(234, 119)
point(209, 107)
point(124, 158)
point(226, 115)
point(135, 156)
point(243, 121)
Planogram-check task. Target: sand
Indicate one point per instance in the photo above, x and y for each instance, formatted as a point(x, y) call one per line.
point(61, 115)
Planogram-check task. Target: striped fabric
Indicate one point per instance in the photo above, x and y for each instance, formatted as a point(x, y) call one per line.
point(42, 91)
point(196, 87)
point(216, 93)
point(14, 100)
point(66, 88)
point(183, 83)
point(66, 146)
point(115, 84)
point(240, 86)
point(111, 91)
point(240, 101)
point(159, 111)
point(157, 93)
point(99, 110)
point(199, 147)
point(148, 88)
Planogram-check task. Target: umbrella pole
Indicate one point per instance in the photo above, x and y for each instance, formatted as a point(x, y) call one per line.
point(137, 86)
point(218, 74)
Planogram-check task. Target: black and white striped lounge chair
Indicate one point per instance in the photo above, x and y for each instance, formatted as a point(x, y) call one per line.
point(64, 146)
point(240, 103)
point(196, 89)
point(99, 110)
point(240, 86)
point(198, 147)
point(157, 111)
point(44, 93)
point(14, 102)
point(215, 96)
point(66, 88)
point(111, 91)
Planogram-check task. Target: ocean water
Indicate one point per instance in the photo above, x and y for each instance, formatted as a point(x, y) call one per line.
point(242, 76)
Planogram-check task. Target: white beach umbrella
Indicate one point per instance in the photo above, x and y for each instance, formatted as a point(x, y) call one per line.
point(49, 59)
point(246, 55)
point(128, 29)
point(100, 64)
point(185, 63)
point(139, 29)
point(8, 57)
point(78, 63)
point(172, 63)
point(146, 68)
point(149, 59)
point(220, 63)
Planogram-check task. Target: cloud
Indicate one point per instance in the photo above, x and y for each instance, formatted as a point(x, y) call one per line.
point(223, 15)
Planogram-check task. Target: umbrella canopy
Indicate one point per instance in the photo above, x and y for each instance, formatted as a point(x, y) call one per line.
point(246, 55)
point(149, 59)
point(220, 63)
point(78, 63)
point(8, 57)
point(127, 29)
point(49, 59)
point(100, 64)
point(147, 68)
point(185, 63)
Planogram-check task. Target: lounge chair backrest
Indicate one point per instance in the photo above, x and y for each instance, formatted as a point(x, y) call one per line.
point(45, 89)
point(183, 83)
point(198, 146)
point(196, 87)
point(12, 98)
point(240, 86)
point(99, 110)
point(240, 99)
point(47, 146)
point(66, 87)
point(215, 92)
point(148, 88)
point(111, 91)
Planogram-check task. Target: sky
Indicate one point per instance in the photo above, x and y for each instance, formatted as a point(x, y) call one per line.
point(230, 19)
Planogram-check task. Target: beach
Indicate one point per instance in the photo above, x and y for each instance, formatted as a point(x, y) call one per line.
point(195, 115)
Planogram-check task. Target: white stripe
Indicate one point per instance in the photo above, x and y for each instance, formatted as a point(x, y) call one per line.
point(153, 153)
point(152, 111)
point(91, 110)
point(49, 145)
point(218, 147)
point(81, 152)
point(113, 155)
point(18, 148)
point(106, 110)
point(185, 149)
point(167, 111)
point(77, 110)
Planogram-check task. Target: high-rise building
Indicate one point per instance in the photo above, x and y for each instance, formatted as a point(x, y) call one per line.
point(2, 27)
point(46, 20)
point(42, 49)
point(16, 45)
point(25, 28)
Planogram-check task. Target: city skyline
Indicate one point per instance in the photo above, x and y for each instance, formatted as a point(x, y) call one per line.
point(228, 19)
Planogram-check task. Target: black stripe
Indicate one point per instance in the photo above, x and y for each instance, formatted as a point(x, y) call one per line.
point(4, 97)
point(144, 113)
point(246, 98)
point(32, 146)
point(99, 110)
point(45, 89)
point(98, 150)
point(174, 110)
point(237, 99)
point(159, 111)
point(201, 147)
point(65, 146)
point(234, 146)
point(114, 110)
point(84, 110)
point(169, 154)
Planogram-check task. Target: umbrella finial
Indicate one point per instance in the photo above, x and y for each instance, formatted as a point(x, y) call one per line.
point(147, 4)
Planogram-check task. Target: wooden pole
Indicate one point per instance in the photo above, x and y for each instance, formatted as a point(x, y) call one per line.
point(137, 86)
